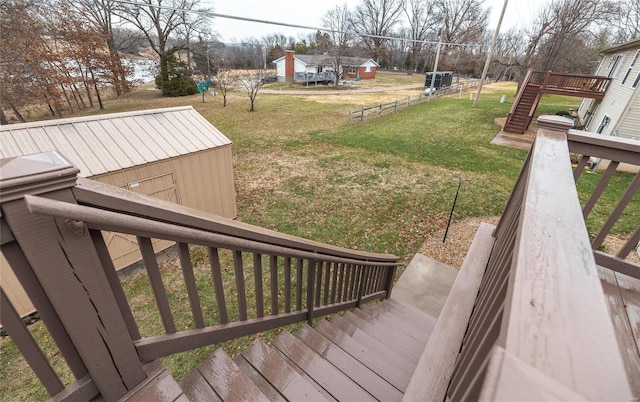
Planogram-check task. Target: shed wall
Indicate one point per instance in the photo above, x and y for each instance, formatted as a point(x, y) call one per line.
point(201, 180)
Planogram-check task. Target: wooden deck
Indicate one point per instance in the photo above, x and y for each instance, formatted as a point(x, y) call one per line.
point(529, 320)
point(623, 299)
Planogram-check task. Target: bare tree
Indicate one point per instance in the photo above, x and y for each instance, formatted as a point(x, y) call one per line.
point(226, 79)
point(160, 21)
point(560, 30)
point(101, 13)
point(252, 83)
point(337, 21)
point(376, 18)
point(629, 21)
point(422, 24)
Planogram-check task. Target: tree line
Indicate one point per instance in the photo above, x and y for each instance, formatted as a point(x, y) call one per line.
point(66, 54)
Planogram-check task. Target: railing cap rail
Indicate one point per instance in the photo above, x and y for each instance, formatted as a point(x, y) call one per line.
point(35, 174)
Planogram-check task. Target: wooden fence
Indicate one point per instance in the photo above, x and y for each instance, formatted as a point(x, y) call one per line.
point(371, 112)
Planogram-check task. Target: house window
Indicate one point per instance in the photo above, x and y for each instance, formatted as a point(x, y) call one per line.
point(367, 69)
point(353, 70)
point(613, 64)
point(633, 62)
point(604, 123)
point(635, 83)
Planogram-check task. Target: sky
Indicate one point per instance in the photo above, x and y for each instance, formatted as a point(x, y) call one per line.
point(309, 13)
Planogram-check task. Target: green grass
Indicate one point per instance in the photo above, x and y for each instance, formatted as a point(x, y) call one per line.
point(300, 169)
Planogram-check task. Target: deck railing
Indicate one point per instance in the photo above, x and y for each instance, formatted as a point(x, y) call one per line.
point(540, 325)
point(52, 238)
point(567, 84)
point(314, 77)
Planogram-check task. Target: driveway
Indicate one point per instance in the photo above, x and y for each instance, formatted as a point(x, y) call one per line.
point(341, 91)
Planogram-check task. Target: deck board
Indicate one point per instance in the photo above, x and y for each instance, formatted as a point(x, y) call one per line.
point(623, 300)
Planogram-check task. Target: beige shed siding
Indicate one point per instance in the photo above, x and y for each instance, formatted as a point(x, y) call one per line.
point(174, 154)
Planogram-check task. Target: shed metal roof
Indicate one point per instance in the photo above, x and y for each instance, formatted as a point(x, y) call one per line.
point(110, 142)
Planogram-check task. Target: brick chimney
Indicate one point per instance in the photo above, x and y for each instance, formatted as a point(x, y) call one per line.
point(288, 65)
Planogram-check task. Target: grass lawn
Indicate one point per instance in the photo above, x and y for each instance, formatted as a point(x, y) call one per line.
point(300, 169)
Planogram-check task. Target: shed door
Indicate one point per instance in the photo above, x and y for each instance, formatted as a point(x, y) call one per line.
point(124, 248)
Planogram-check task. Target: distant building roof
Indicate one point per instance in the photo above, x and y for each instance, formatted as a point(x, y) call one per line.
point(111, 142)
point(326, 60)
point(624, 46)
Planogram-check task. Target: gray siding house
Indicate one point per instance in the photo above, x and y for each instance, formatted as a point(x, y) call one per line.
point(618, 113)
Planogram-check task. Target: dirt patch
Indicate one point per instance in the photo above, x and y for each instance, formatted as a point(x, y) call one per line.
point(459, 237)
point(461, 233)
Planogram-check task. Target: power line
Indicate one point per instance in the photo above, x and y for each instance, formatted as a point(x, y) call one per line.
point(289, 25)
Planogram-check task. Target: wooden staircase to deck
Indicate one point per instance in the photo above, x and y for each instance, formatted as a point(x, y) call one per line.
point(367, 354)
point(519, 119)
point(537, 83)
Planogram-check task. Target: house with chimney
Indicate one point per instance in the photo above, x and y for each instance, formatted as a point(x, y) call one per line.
point(321, 68)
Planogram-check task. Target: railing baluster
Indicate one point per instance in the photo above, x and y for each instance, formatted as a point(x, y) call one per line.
point(114, 284)
point(327, 277)
point(630, 244)
point(30, 350)
point(239, 273)
point(354, 283)
point(334, 281)
point(190, 284)
point(299, 275)
point(216, 275)
point(615, 214)
point(362, 284)
point(580, 167)
point(310, 278)
point(340, 282)
point(318, 283)
point(273, 265)
point(347, 281)
point(597, 192)
point(159, 292)
point(257, 275)
point(287, 284)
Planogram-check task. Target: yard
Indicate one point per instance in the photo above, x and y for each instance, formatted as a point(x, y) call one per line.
point(383, 186)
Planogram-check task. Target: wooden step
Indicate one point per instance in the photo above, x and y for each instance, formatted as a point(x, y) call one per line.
point(386, 319)
point(224, 377)
point(390, 335)
point(258, 379)
point(280, 374)
point(332, 380)
point(409, 315)
point(353, 368)
point(402, 360)
point(365, 355)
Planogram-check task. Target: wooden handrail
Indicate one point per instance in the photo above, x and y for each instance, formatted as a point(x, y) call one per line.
point(541, 307)
point(62, 245)
point(102, 196)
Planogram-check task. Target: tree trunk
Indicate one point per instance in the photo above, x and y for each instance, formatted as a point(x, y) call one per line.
point(66, 97)
point(17, 112)
point(95, 86)
point(3, 117)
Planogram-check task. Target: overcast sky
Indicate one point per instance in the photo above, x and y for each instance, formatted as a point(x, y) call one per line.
point(310, 12)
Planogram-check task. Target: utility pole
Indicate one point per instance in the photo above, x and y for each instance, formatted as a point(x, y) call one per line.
point(435, 65)
point(486, 64)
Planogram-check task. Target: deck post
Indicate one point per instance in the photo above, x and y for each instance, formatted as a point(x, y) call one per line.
point(65, 262)
point(555, 123)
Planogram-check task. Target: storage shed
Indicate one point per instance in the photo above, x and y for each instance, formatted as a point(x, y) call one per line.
point(173, 154)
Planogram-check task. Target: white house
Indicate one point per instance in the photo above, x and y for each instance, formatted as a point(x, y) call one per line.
point(304, 68)
point(619, 112)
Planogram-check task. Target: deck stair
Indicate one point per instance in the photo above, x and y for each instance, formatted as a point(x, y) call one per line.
point(520, 117)
point(367, 354)
point(537, 83)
